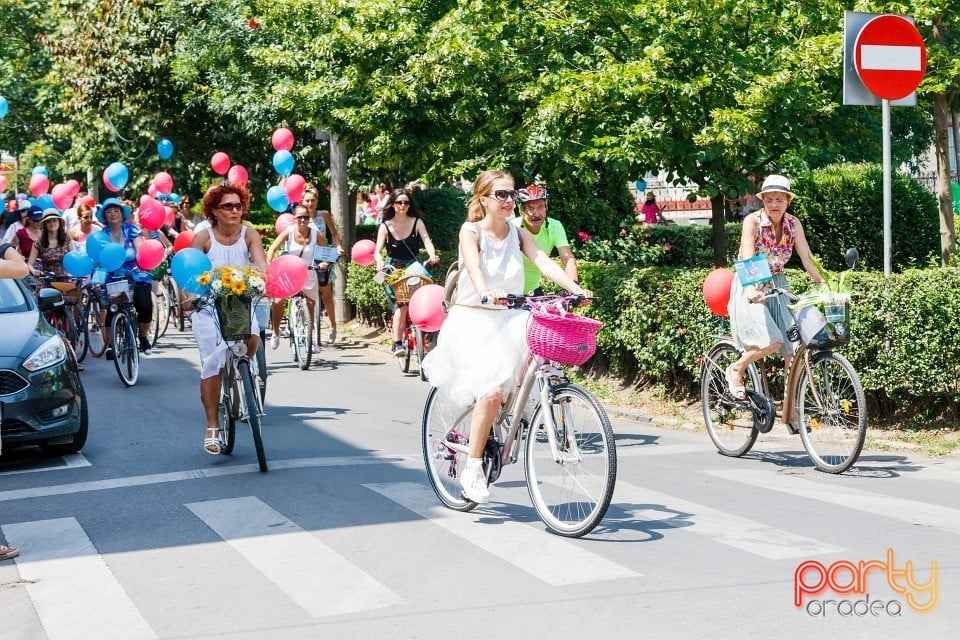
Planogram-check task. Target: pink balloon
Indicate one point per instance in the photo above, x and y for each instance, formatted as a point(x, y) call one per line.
point(4, 183)
point(237, 174)
point(282, 139)
point(293, 185)
point(39, 184)
point(163, 181)
point(426, 307)
point(74, 187)
point(220, 163)
point(286, 276)
point(62, 198)
point(150, 254)
point(170, 216)
point(362, 252)
point(183, 241)
point(284, 220)
point(89, 201)
point(151, 213)
point(152, 190)
point(106, 183)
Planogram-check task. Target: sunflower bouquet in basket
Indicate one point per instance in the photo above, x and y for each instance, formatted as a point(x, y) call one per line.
point(233, 290)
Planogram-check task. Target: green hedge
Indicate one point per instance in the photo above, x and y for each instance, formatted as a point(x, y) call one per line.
point(656, 324)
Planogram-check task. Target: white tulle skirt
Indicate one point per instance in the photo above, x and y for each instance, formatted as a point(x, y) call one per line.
point(478, 351)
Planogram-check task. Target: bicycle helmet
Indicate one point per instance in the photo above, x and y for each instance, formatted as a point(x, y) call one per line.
point(532, 192)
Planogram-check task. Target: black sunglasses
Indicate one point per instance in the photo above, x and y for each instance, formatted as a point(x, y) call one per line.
point(303, 217)
point(230, 206)
point(503, 195)
point(405, 203)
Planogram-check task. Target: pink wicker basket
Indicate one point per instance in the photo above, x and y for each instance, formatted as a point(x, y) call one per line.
point(562, 336)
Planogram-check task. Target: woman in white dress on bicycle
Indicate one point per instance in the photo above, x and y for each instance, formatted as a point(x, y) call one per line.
point(227, 242)
point(482, 345)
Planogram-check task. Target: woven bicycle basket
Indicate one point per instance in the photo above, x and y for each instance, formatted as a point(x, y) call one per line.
point(562, 336)
point(404, 287)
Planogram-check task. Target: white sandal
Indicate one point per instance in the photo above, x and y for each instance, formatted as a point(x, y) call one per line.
point(213, 446)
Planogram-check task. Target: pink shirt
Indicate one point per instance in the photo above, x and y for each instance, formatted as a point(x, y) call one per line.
point(766, 241)
point(650, 212)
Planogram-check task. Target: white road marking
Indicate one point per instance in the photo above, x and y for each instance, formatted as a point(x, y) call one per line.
point(733, 531)
point(194, 474)
point(905, 510)
point(75, 593)
point(72, 461)
point(312, 574)
point(888, 57)
point(552, 559)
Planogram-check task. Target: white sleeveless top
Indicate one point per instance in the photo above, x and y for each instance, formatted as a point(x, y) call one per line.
point(305, 253)
point(500, 262)
point(234, 255)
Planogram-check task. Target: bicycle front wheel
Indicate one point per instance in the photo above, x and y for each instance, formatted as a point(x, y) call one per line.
point(78, 315)
point(729, 421)
point(126, 356)
point(443, 424)
point(421, 352)
point(228, 409)
point(301, 332)
point(833, 412)
point(408, 345)
point(571, 495)
point(161, 311)
point(252, 406)
point(93, 319)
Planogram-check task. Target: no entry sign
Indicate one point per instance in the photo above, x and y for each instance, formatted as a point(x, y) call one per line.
point(890, 57)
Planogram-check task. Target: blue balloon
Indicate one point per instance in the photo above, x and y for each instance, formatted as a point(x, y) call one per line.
point(283, 162)
point(4, 107)
point(96, 241)
point(277, 198)
point(174, 197)
point(45, 202)
point(112, 256)
point(117, 174)
point(78, 264)
point(641, 185)
point(164, 149)
point(187, 265)
point(39, 169)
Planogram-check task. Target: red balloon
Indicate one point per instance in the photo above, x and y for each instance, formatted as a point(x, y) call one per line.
point(362, 252)
point(39, 184)
point(293, 185)
point(74, 186)
point(284, 220)
point(150, 254)
point(152, 190)
point(220, 163)
point(106, 183)
point(286, 276)
point(282, 139)
point(716, 290)
point(169, 216)
point(426, 307)
point(4, 183)
point(163, 181)
point(151, 213)
point(184, 240)
point(62, 198)
point(238, 174)
point(89, 201)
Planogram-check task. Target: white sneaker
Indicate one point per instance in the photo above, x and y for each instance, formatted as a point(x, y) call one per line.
point(331, 336)
point(274, 341)
point(315, 348)
point(474, 482)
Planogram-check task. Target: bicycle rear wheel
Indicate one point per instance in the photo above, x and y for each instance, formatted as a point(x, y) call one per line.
point(833, 412)
point(161, 311)
point(78, 315)
point(729, 421)
point(176, 302)
point(126, 355)
point(252, 405)
point(154, 331)
point(444, 423)
point(96, 345)
point(228, 408)
point(571, 496)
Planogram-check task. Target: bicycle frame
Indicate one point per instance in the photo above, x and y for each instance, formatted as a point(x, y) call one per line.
point(537, 371)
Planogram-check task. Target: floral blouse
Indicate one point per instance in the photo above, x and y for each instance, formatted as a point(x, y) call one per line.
point(766, 241)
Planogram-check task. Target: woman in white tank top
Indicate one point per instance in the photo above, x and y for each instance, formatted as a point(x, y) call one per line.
point(299, 239)
point(228, 243)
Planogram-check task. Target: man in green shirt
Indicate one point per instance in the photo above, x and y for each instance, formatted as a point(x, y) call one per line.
point(549, 235)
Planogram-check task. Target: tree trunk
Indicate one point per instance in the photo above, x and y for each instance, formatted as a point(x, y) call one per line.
point(339, 197)
point(948, 236)
point(718, 219)
point(956, 144)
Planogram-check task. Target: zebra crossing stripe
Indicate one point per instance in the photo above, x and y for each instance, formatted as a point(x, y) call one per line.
point(313, 575)
point(909, 511)
point(556, 561)
point(733, 531)
point(74, 592)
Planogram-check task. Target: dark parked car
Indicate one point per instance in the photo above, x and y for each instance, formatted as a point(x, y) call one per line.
point(41, 397)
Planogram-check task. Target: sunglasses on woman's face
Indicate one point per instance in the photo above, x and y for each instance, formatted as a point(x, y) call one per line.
point(503, 195)
point(303, 217)
point(230, 206)
point(402, 203)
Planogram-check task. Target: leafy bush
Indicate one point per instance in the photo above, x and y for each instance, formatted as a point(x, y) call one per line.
point(368, 297)
point(444, 210)
point(841, 206)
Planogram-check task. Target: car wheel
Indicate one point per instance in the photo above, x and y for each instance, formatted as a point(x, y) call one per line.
point(80, 437)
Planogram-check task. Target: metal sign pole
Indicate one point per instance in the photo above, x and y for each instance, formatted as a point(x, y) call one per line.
point(887, 191)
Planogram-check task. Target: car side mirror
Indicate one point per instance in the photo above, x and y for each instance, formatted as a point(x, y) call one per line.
point(49, 299)
point(852, 257)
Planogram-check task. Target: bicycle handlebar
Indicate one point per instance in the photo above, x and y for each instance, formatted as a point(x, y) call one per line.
point(516, 301)
point(777, 292)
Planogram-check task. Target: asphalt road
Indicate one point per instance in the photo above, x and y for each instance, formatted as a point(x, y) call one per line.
point(143, 535)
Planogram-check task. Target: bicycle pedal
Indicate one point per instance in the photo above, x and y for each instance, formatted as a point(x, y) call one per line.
point(763, 412)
